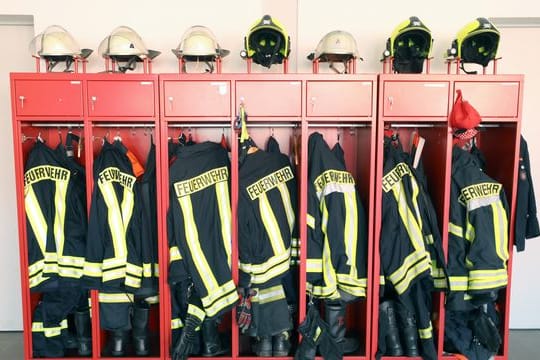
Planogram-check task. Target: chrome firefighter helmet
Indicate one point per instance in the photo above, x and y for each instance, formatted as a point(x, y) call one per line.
point(477, 42)
point(55, 44)
point(199, 44)
point(409, 45)
point(126, 47)
point(336, 46)
point(267, 42)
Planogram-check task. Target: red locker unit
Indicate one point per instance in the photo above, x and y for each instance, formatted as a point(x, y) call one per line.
point(422, 104)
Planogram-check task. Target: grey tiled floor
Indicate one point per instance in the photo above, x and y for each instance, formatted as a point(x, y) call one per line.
point(524, 345)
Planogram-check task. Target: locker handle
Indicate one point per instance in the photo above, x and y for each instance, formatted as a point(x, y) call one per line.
point(22, 98)
point(312, 101)
point(391, 101)
point(170, 99)
point(93, 99)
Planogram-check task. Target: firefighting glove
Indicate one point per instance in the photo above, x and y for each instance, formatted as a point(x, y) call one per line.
point(243, 309)
point(188, 338)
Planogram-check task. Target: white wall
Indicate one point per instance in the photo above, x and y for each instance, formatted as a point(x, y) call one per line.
point(10, 300)
point(162, 23)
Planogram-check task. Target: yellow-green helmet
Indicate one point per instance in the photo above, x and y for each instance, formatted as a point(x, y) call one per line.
point(477, 42)
point(267, 42)
point(409, 45)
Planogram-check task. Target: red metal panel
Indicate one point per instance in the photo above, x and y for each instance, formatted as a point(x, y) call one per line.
point(339, 98)
point(197, 98)
point(48, 97)
point(491, 98)
point(123, 98)
point(270, 98)
point(415, 98)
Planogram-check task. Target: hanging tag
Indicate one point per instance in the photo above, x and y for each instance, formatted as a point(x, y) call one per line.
point(79, 147)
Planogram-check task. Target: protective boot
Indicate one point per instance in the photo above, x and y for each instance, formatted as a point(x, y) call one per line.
point(83, 331)
point(117, 343)
point(389, 327)
point(281, 344)
point(213, 343)
point(263, 346)
point(141, 343)
point(408, 330)
point(335, 317)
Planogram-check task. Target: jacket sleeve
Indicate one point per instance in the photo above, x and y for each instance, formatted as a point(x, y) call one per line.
point(246, 236)
point(177, 271)
point(95, 248)
point(532, 229)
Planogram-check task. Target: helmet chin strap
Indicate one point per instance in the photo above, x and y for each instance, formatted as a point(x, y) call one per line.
point(129, 65)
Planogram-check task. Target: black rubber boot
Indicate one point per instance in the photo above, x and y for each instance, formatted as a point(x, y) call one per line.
point(83, 331)
point(117, 343)
point(141, 343)
point(408, 330)
point(213, 343)
point(281, 344)
point(335, 317)
point(263, 346)
point(388, 322)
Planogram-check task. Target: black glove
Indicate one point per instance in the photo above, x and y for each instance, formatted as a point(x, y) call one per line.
point(188, 339)
point(486, 331)
point(243, 309)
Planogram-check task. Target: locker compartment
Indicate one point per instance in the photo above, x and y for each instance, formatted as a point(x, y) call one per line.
point(497, 99)
point(415, 98)
point(121, 98)
point(178, 135)
point(339, 98)
point(137, 139)
point(270, 98)
point(434, 159)
point(49, 98)
point(197, 98)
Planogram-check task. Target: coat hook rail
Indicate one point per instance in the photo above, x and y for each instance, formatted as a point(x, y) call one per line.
point(354, 125)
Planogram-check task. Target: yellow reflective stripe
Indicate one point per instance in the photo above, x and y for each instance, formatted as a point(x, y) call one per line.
point(353, 290)
point(194, 245)
point(407, 217)
point(127, 207)
point(311, 221)
point(196, 311)
point(50, 257)
point(224, 207)
point(115, 219)
point(50, 268)
point(500, 230)
point(314, 265)
point(37, 279)
point(413, 272)
point(76, 261)
point(35, 217)
point(156, 270)
point(49, 331)
point(269, 295)
point(70, 272)
point(115, 298)
point(487, 279)
point(134, 269)
point(455, 229)
point(174, 254)
point(470, 233)
point(176, 323)
point(35, 267)
point(407, 264)
point(92, 269)
point(60, 214)
point(347, 279)
point(132, 281)
point(114, 262)
point(218, 293)
point(429, 239)
point(265, 266)
point(147, 270)
point(222, 303)
point(322, 291)
point(109, 275)
point(458, 283)
point(382, 280)
point(426, 333)
point(351, 231)
point(271, 273)
point(286, 198)
point(440, 283)
point(270, 224)
point(152, 300)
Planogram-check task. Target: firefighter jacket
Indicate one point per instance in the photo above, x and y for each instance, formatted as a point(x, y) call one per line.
point(526, 219)
point(337, 230)
point(114, 232)
point(199, 225)
point(478, 233)
point(266, 217)
point(149, 243)
point(55, 206)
